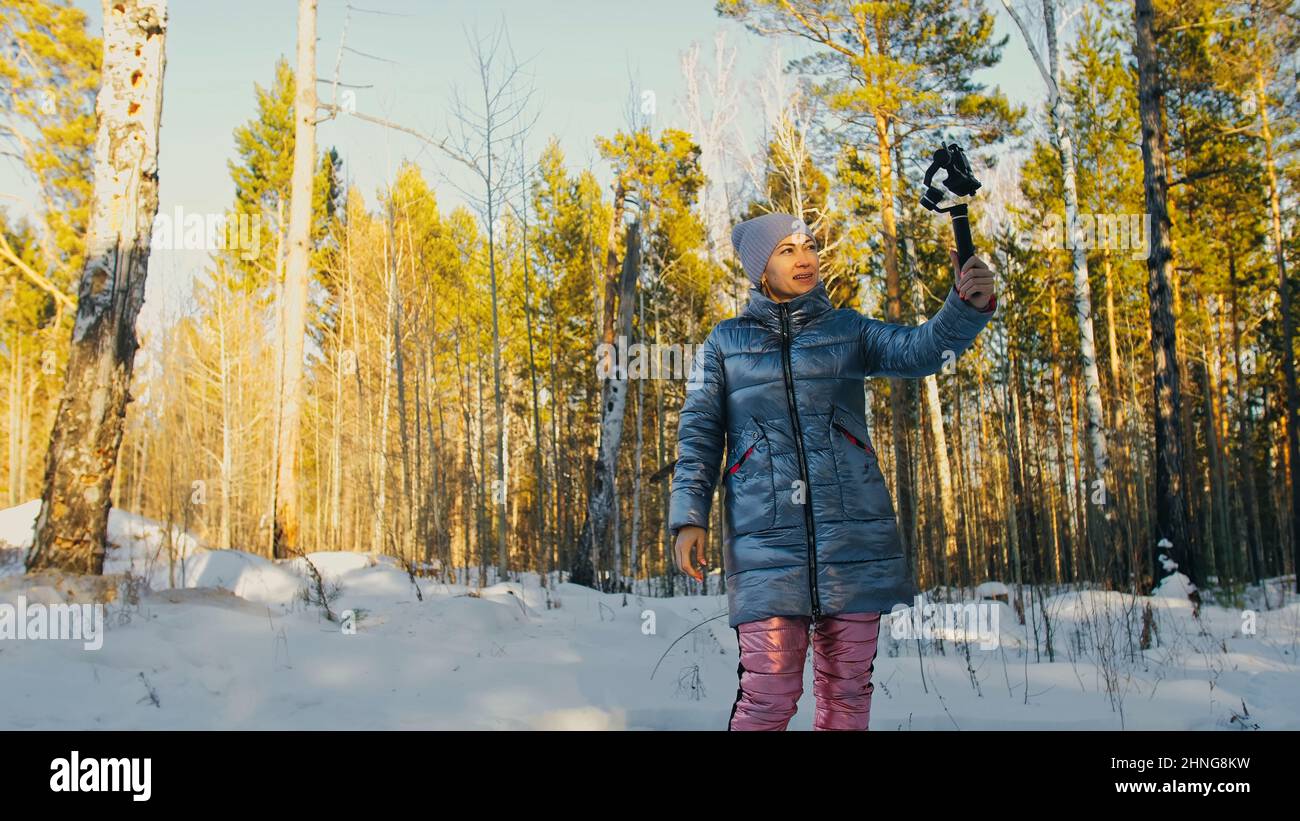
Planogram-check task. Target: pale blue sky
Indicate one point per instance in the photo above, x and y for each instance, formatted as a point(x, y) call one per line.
point(585, 57)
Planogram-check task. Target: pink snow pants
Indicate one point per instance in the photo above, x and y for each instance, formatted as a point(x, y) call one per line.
point(772, 654)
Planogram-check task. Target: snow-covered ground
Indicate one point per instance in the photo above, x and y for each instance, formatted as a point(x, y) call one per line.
point(233, 645)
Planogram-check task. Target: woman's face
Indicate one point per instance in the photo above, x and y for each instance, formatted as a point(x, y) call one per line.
point(792, 268)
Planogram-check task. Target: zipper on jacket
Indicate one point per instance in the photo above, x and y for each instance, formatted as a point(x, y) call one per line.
point(803, 462)
point(854, 439)
point(742, 459)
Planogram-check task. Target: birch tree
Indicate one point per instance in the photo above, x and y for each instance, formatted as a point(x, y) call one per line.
point(294, 309)
point(1061, 115)
point(72, 526)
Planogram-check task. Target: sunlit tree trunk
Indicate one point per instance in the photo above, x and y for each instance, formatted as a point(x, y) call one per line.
point(72, 526)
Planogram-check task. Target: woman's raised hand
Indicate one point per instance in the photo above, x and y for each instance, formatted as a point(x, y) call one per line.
point(689, 551)
point(974, 280)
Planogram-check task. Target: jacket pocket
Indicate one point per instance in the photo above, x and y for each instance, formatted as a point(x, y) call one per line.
point(857, 442)
point(751, 493)
point(862, 485)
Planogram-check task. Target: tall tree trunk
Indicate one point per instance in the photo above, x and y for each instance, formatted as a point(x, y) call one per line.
point(1081, 555)
point(1288, 322)
point(1015, 483)
point(227, 424)
point(379, 523)
point(72, 527)
point(1016, 457)
point(273, 486)
point(539, 473)
point(483, 487)
point(336, 450)
point(584, 562)
point(558, 461)
point(1100, 517)
point(613, 402)
point(142, 465)
point(1217, 473)
point(468, 501)
point(287, 505)
point(399, 373)
point(947, 500)
point(16, 417)
point(438, 456)
point(943, 467)
point(633, 552)
point(499, 494)
point(898, 388)
point(1062, 512)
point(1245, 461)
point(661, 455)
point(1123, 490)
point(1171, 510)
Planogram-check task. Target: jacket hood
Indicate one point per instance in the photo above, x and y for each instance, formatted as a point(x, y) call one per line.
point(802, 309)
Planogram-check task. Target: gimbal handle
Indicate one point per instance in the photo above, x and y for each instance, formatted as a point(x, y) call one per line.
point(961, 232)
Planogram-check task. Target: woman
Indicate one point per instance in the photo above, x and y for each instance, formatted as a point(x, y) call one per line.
point(811, 539)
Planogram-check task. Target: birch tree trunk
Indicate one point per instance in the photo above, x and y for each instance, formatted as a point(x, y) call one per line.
point(613, 402)
point(287, 507)
point(72, 526)
point(1099, 527)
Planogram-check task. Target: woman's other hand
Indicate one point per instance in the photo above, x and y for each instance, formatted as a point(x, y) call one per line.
point(689, 551)
point(974, 280)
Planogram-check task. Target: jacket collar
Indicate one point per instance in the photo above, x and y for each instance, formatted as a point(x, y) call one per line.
point(802, 310)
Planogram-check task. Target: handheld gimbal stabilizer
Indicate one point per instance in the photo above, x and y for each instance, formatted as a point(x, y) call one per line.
point(962, 183)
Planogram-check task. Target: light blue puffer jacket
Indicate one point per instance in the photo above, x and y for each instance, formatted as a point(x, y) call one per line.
point(809, 525)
